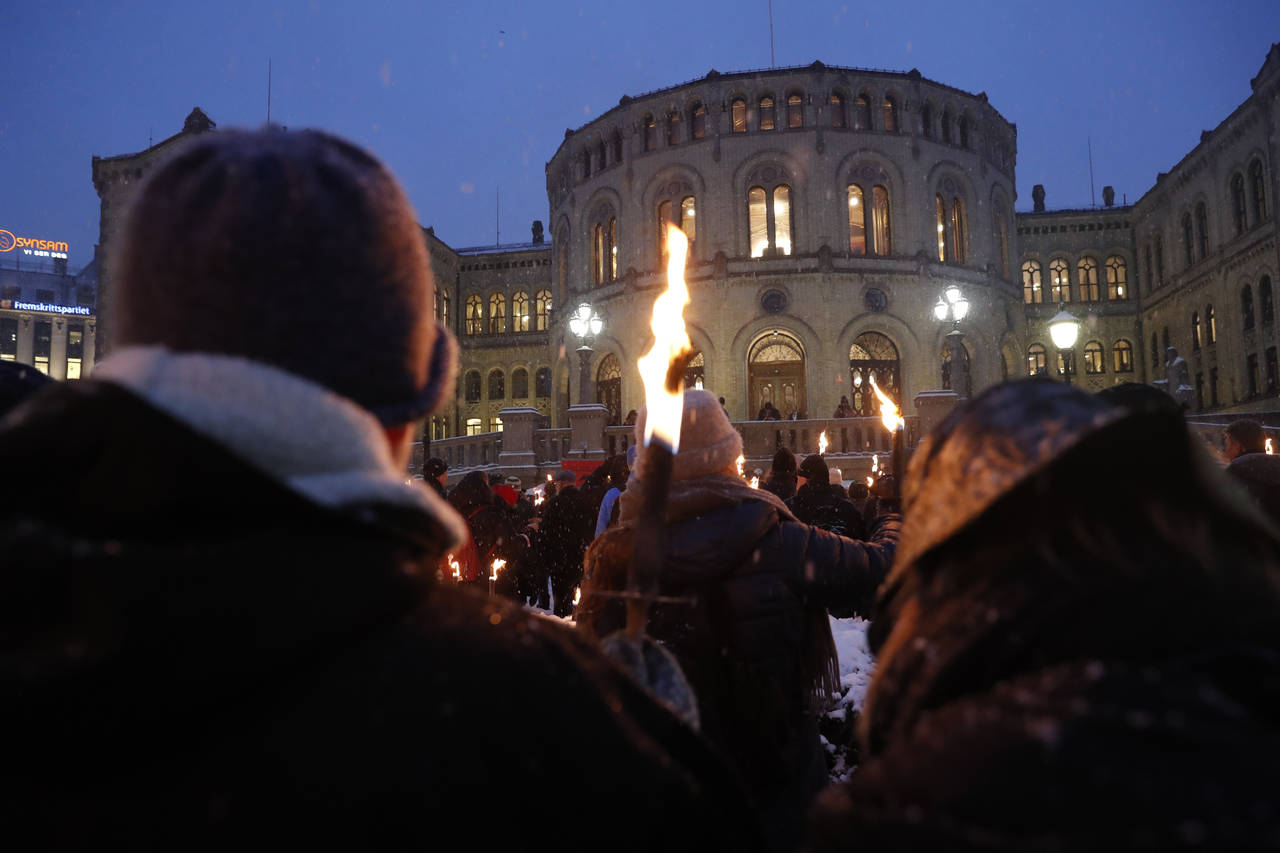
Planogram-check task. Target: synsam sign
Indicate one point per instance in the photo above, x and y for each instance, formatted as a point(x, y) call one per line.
point(32, 246)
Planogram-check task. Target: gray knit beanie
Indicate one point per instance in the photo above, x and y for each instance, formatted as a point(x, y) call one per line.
point(708, 442)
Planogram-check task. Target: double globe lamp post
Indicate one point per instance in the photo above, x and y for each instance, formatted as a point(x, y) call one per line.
point(953, 306)
point(586, 325)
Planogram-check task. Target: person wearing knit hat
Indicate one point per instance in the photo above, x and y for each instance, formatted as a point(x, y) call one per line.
point(781, 479)
point(218, 585)
point(747, 589)
point(816, 503)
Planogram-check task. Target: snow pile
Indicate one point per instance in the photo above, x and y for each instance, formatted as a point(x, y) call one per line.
point(838, 725)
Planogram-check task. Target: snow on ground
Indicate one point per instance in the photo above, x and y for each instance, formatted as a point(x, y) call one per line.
point(838, 725)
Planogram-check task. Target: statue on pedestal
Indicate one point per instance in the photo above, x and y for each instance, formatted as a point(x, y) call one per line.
point(1178, 378)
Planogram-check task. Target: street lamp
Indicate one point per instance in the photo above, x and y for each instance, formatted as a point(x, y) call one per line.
point(1064, 329)
point(953, 306)
point(586, 325)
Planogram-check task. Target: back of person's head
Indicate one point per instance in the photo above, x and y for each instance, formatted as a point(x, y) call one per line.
point(495, 478)
point(814, 470)
point(784, 461)
point(708, 442)
point(434, 467)
point(17, 382)
point(1035, 506)
point(1137, 397)
point(292, 248)
point(858, 491)
point(1249, 434)
point(471, 492)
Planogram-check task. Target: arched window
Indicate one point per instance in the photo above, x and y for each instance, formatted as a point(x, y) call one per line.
point(959, 231)
point(947, 357)
point(1037, 360)
point(837, 110)
point(695, 374)
point(1265, 305)
point(1000, 231)
point(680, 212)
point(1211, 325)
point(1246, 307)
point(673, 128)
point(472, 385)
point(609, 387)
point(520, 312)
point(617, 146)
point(769, 213)
point(862, 112)
point(739, 113)
point(1159, 253)
point(1187, 240)
point(1196, 337)
point(873, 356)
point(767, 116)
point(542, 383)
point(1087, 278)
point(942, 228)
point(1032, 291)
point(795, 110)
point(1059, 280)
point(601, 160)
point(698, 119)
point(497, 385)
point(442, 307)
point(964, 131)
point(775, 374)
point(890, 107)
point(880, 242)
point(1259, 184)
point(1238, 203)
point(497, 314)
point(946, 125)
point(1202, 230)
point(857, 221)
point(1122, 356)
point(1117, 278)
point(604, 247)
point(542, 310)
point(475, 315)
point(650, 133)
point(519, 384)
point(926, 121)
point(1094, 358)
point(586, 163)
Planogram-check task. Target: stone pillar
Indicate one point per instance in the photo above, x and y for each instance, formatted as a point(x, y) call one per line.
point(90, 347)
point(58, 349)
point(584, 375)
point(517, 456)
point(933, 406)
point(959, 364)
point(26, 338)
point(587, 424)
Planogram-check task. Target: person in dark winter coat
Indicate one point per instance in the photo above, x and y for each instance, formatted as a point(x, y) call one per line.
point(568, 525)
point(493, 531)
point(781, 479)
point(435, 471)
point(1064, 666)
point(221, 625)
point(747, 590)
point(815, 503)
point(1251, 466)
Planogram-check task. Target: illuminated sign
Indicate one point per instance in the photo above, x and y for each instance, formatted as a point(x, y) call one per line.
point(33, 247)
point(45, 307)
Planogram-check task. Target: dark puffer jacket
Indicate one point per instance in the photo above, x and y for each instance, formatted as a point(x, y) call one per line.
point(192, 655)
point(817, 504)
point(753, 633)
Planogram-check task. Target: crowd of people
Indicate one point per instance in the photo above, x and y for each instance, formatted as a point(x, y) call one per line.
point(227, 619)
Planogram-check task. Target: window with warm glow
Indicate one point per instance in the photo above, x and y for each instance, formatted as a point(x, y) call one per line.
point(520, 312)
point(837, 110)
point(1117, 278)
point(766, 117)
point(475, 313)
point(475, 426)
point(497, 385)
point(1211, 325)
point(757, 221)
point(698, 114)
point(1087, 277)
point(1032, 290)
point(890, 108)
point(881, 230)
point(795, 111)
point(959, 231)
point(769, 220)
point(942, 228)
point(1059, 280)
point(857, 221)
point(497, 314)
point(1037, 360)
point(542, 310)
point(1122, 356)
point(604, 247)
point(1094, 358)
point(739, 114)
point(781, 219)
point(1196, 338)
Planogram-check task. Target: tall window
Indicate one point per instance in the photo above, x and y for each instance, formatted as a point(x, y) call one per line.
point(1122, 356)
point(1211, 324)
point(1147, 266)
point(1059, 280)
point(542, 310)
point(739, 113)
point(617, 146)
point(942, 228)
point(1259, 185)
point(1000, 230)
point(959, 231)
point(1159, 261)
point(857, 221)
point(1037, 360)
point(542, 383)
point(1238, 203)
point(926, 120)
point(1087, 278)
point(1032, 292)
point(795, 111)
point(472, 384)
point(519, 384)
point(837, 110)
point(1195, 332)
point(650, 133)
point(475, 315)
point(1117, 278)
point(880, 240)
point(1265, 305)
point(862, 112)
point(673, 128)
point(946, 125)
point(680, 213)
point(609, 387)
point(497, 385)
point(1188, 245)
point(769, 217)
point(604, 248)
point(442, 307)
point(768, 120)
point(890, 108)
point(964, 131)
point(497, 314)
point(881, 228)
point(1202, 230)
point(1094, 358)
point(1246, 307)
point(520, 312)
point(75, 349)
point(698, 116)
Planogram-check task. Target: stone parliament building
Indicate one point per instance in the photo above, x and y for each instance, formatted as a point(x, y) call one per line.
point(828, 209)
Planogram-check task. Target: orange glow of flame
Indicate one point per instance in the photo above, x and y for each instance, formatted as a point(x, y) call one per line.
point(548, 478)
point(755, 482)
point(742, 459)
point(1270, 450)
point(875, 463)
point(871, 481)
point(669, 341)
point(538, 499)
point(822, 443)
point(889, 414)
point(498, 565)
point(577, 595)
point(457, 569)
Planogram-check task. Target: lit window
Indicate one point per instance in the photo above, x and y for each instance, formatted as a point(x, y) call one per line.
point(1122, 356)
point(497, 314)
point(1117, 278)
point(687, 222)
point(75, 349)
point(475, 426)
point(795, 111)
point(959, 231)
point(1032, 290)
point(739, 113)
point(497, 385)
point(1087, 277)
point(781, 219)
point(495, 424)
point(1037, 360)
point(650, 133)
point(1059, 280)
point(767, 117)
point(881, 230)
point(1211, 324)
point(942, 228)
point(769, 218)
point(857, 221)
point(837, 110)
point(520, 312)
point(890, 107)
point(542, 310)
point(1094, 358)
point(1196, 338)
point(699, 123)
point(475, 311)
point(604, 247)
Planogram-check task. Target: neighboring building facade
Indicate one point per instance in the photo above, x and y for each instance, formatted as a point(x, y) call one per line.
point(48, 316)
point(828, 209)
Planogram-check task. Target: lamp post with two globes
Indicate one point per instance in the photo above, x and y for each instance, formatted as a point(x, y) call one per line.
point(952, 305)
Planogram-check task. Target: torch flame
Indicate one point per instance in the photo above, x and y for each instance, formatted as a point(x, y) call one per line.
point(577, 595)
point(755, 482)
point(1270, 450)
point(669, 341)
point(538, 499)
point(889, 414)
point(742, 459)
point(871, 481)
point(498, 565)
point(548, 478)
point(822, 443)
point(457, 569)
point(875, 463)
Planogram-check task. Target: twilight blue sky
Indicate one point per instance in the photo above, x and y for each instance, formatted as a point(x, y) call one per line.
point(459, 98)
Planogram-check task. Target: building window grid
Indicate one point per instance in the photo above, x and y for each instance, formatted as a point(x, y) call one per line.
point(542, 310)
point(474, 315)
point(1032, 289)
point(497, 314)
point(1094, 358)
point(1087, 278)
point(1122, 356)
point(1117, 278)
point(769, 221)
point(1059, 280)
